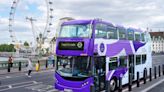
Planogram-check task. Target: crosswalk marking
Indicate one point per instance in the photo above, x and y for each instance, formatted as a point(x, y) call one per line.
point(42, 88)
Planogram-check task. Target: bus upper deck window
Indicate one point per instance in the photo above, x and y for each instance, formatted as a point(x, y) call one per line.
point(130, 34)
point(137, 36)
point(122, 33)
point(111, 33)
point(143, 37)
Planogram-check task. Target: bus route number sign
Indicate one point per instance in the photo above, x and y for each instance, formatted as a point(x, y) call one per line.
point(71, 46)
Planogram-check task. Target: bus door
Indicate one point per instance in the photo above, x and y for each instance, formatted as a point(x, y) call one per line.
point(100, 73)
point(131, 65)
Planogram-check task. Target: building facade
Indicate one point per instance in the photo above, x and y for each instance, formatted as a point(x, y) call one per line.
point(157, 42)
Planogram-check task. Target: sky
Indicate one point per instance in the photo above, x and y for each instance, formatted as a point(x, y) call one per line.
point(130, 13)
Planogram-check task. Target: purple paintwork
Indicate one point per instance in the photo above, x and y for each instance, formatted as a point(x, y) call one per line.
point(75, 86)
point(104, 22)
point(116, 48)
point(88, 47)
point(77, 22)
point(137, 45)
point(120, 26)
point(119, 72)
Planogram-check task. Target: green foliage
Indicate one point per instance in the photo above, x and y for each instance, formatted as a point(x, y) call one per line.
point(7, 48)
point(26, 43)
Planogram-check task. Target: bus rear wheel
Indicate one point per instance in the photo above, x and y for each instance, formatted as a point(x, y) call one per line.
point(113, 85)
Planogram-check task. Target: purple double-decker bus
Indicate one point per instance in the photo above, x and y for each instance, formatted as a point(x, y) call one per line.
point(91, 52)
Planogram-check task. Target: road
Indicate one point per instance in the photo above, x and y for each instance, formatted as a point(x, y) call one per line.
point(43, 81)
point(39, 82)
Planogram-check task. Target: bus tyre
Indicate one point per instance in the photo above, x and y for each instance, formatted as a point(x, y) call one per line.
point(113, 85)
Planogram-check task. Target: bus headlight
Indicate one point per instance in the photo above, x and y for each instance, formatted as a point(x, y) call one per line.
point(84, 84)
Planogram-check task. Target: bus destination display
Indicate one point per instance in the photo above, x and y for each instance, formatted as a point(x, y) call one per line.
point(71, 46)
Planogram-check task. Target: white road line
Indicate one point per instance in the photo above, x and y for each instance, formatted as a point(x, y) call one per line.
point(46, 88)
point(8, 77)
point(18, 83)
point(23, 74)
point(53, 90)
point(19, 87)
point(152, 86)
point(10, 86)
point(38, 87)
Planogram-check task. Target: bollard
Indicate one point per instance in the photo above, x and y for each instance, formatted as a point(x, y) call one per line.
point(144, 74)
point(150, 74)
point(46, 64)
point(138, 79)
point(163, 69)
point(8, 69)
point(92, 89)
point(155, 73)
point(130, 82)
point(19, 66)
point(107, 87)
point(120, 85)
point(159, 70)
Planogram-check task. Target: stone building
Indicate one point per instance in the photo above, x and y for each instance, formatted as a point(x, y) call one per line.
point(157, 42)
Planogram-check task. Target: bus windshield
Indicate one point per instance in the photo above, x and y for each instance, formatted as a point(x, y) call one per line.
point(74, 67)
point(83, 31)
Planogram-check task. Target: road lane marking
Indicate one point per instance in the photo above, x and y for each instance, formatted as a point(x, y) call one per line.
point(17, 83)
point(19, 87)
point(10, 86)
point(53, 90)
point(8, 76)
point(152, 86)
point(45, 89)
point(23, 74)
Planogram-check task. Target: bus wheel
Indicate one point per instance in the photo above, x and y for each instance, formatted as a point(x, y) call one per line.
point(113, 85)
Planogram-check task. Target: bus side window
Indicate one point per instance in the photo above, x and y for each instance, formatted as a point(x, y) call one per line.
point(101, 31)
point(123, 61)
point(143, 58)
point(143, 37)
point(113, 64)
point(111, 32)
point(137, 36)
point(138, 59)
point(130, 34)
point(122, 33)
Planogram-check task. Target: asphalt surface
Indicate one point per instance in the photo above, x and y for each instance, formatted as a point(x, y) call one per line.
point(159, 88)
point(43, 81)
point(20, 82)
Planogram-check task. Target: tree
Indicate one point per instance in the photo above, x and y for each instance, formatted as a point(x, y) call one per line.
point(26, 44)
point(7, 48)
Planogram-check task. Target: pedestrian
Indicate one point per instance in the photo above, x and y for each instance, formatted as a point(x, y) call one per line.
point(10, 61)
point(38, 66)
point(29, 67)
